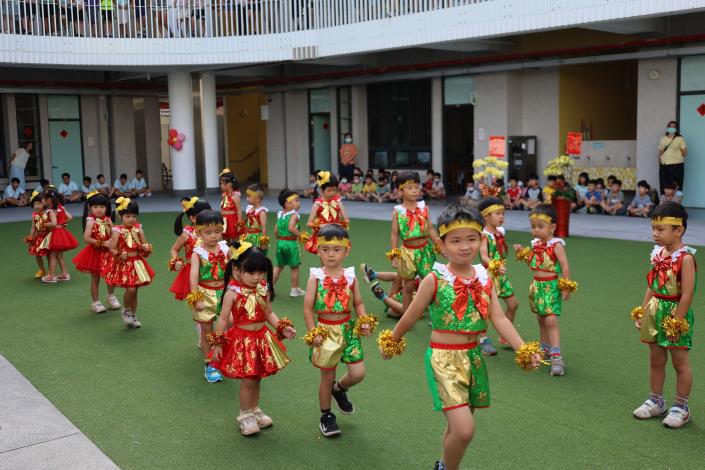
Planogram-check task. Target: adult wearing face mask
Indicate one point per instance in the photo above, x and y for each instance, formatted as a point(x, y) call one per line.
point(348, 154)
point(672, 151)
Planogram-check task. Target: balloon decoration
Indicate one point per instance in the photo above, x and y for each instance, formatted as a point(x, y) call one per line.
point(176, 139)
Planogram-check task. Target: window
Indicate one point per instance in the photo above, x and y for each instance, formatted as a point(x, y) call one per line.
point(399, 117)
point(344, 113)
point(27, 112)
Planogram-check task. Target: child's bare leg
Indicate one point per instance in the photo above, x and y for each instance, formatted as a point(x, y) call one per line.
point(111, 289)
point(40, 262)
point(276, 273)
point(326, 388)
point(554, 334)
point(62, 263)
point(458, 435)
point(130, 299)
point(512, 306)
point(294, 277)
point(248, 394)
point(543, 333)
point(355, 374)
point(394, 305)
point(684, 373)
point(52, 264)
point(387, 276)
point(204, 331)
point(407, 293)
point(657, 368)
point(95, 281)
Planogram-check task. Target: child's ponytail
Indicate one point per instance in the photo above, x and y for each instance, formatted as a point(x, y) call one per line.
point(226, 278)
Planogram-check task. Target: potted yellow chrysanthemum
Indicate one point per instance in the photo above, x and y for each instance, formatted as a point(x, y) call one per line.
point(487, 170)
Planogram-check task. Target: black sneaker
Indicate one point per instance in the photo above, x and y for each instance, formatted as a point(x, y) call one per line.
point(377, 290)
point(341, 399)
point(369, 273)
point(328, 425)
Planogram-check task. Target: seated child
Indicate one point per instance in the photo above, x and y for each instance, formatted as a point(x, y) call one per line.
point(613, 204)
point(641, 205)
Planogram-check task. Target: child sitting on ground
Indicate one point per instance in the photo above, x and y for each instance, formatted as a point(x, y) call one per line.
point(641, 205)
point(593, 198)
point(613, 204)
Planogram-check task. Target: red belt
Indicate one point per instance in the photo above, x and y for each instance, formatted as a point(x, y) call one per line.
point(674, 298)
point(406, 245)
point(453, 346)
point(287, 238)
point(549, 278)
point(253, 230)
point(228, 212)
point(206, 286)
point(334, 322)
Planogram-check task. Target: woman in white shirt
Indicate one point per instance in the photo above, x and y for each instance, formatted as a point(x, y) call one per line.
point(19, 163)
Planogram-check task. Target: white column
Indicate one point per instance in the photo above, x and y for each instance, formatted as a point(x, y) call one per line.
point(437, 125)
point(183, 162)
point(209, 125)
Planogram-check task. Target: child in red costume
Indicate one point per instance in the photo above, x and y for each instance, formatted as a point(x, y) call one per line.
point(59, 239)
point(230, 205)
point(37, 234)
point(328, 209)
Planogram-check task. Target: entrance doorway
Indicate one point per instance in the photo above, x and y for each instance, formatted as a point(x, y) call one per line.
point(692, 122)
point(65, 137)
point(320, 141)
point(457, 144)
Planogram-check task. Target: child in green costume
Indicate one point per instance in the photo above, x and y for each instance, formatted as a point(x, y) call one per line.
point(287, 234)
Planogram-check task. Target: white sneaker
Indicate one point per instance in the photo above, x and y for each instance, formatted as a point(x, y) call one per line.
point(649, 409)
point(248, 423)
point(676, 418)
point(98, 307)
point(135, 321)
point(130, 319)
point(263, 421)
point(113, 302)
point(297, 292)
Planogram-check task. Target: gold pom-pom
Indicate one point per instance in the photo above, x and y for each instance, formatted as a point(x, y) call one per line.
point(367, 319)
point(284, 322)
point(675, 326)
point(437, 249)
point(316, 225)
point(264, 242)
point(524, 254)
point(494, 266)
point(171, 264)
point(567, 284)
point(393, 253)
point(345, 224)
point(29, 239)
point(216, 339)
point(319, 330)
point(637, 313)
point(388, 346)
point(194, 297)
point(524, 355)
point(303, 237)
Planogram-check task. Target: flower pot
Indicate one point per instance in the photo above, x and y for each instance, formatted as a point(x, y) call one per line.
point(563, 208)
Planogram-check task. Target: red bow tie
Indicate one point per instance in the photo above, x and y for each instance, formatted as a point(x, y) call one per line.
point(416, 216)
point(217, 260)
point(539, 249)
point(661, 266)
point(501, 244)
point(463, 292)
point(336, 291)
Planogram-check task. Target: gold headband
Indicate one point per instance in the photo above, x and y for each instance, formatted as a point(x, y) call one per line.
point(456, 224)
point(226, 171)
point(121, 203)
point(91, 194)
point(490, 209)
point(323, 177)
point(335, 241)
point(216, 224)
point(254, 193)
point(677, 221)
point(188, 205)
point(544, 217)
point(401, 186)
point(292, 197)
point(236, 252)
point(36, 193)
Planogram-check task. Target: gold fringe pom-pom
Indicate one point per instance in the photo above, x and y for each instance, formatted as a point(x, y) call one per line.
point(637, 313)
point(264, 242)
point(303, 237)
point(216, 339)
point(29, 239)
point(171, 264)
point(393, 253)
point(674, 326)
point(367, 319)
point(523, 357)
point(146, 249)
point(194, 297)
point(284, 322)
point(316, 225)
point(437, 249)
point(524, 254)
point(319, 330)
point(388, 346)
point(345, 224)
point(567, 284)
point(493, 267)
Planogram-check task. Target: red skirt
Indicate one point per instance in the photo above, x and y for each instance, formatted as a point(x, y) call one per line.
point(61, 240)
point(232, 227)
point(38, 247)
point(130, 272)
point(181, 287)
point(91, 259)
point(251, 354)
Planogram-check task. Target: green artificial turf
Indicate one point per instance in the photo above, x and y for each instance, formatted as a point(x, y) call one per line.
point(141, 397)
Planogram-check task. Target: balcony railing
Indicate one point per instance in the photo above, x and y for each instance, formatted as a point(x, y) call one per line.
point(198, 18)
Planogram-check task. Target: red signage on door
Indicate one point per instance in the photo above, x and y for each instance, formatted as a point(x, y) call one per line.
point(498, 146)
point(574, 143)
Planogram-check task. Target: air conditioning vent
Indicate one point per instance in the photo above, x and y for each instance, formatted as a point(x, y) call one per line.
point(306, 52)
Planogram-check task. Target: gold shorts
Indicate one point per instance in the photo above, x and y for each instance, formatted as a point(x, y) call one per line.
point(211, 302)
point(457, 376)
point(341, 345)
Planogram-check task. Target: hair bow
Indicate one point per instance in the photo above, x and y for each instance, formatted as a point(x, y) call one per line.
point(188, 205)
